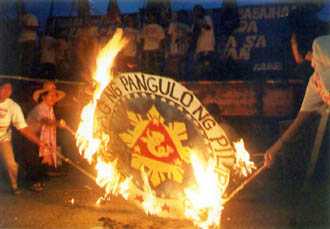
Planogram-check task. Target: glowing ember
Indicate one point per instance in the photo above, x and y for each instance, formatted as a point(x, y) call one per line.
point(243, 164)
point(203, 204)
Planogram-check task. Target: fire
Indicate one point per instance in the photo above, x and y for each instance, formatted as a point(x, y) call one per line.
point(150, 205)
point(107, 174)
point(243, 164)
point(204, 200)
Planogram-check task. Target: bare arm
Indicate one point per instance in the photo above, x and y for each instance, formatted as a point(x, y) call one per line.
point(275, 149)
point(298, 58)
point(31, 136)
point(295, 125)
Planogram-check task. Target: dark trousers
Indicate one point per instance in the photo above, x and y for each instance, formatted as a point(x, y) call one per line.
point(204, 67)
point(35, 170)
point(152, 61)
point(27, 55)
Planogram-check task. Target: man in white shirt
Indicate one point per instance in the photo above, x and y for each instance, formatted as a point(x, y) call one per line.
point(179, 35)
point(48, 46)
point(152, 36)
point(203, 44)
point(128, 57)
point(11, 114)
point(27, 42)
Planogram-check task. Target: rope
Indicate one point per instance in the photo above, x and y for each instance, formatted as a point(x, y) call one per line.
point(23, 78)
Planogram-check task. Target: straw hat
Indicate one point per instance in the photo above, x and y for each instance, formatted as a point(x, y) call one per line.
point(48, 86)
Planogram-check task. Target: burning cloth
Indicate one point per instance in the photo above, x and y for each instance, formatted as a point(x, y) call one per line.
point(155, 123)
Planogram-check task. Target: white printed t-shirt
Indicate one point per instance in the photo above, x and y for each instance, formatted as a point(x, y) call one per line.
point(152, 34)
point(26, 34)
point(10, 113)
point(206, 40)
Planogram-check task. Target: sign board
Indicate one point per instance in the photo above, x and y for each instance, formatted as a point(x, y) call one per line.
point(260, 46)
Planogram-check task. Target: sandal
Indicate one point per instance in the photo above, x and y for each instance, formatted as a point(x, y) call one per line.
point(36, 187)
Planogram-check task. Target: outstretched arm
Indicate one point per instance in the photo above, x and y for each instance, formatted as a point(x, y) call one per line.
point(31, 136)
point(275, 149)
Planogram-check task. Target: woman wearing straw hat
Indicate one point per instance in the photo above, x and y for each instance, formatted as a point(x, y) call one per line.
point(42, 121)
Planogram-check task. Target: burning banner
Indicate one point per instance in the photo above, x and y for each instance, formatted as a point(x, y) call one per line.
point(155, 144)
point(155, 123)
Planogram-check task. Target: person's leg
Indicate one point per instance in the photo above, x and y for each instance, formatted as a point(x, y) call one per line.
point(27, 57)
point(8, 158)
point(34, 167)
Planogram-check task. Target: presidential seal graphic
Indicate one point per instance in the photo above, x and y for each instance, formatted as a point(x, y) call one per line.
point(154, 125)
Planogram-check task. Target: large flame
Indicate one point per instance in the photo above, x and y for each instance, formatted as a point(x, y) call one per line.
point(204, 200)
point(107, 174)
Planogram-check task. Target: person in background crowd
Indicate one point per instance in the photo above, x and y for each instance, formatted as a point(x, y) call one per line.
point(203, 43)
point(305, 28)
point(11, 114)
point(315, 100)
point(153, 43)
point(42, 121)
point(230, 21)
point(127, 58)
point(179, 36)
point(48, 56)
point(102, 35)
point(110, 22)
point(27, 42)
point(62, 57)
point(86, 47)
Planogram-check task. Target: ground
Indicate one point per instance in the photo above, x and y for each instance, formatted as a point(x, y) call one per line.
point(54, 208)
point(270, 201)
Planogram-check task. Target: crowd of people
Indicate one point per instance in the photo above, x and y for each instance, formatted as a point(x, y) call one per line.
point(183, 46)
point(154, 46)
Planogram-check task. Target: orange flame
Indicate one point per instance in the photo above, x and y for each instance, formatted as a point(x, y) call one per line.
point(243, 164)
point(107, 174)
point(204, 200)
point(150, 205)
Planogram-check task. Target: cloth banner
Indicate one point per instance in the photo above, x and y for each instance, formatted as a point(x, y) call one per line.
point(156, 123)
